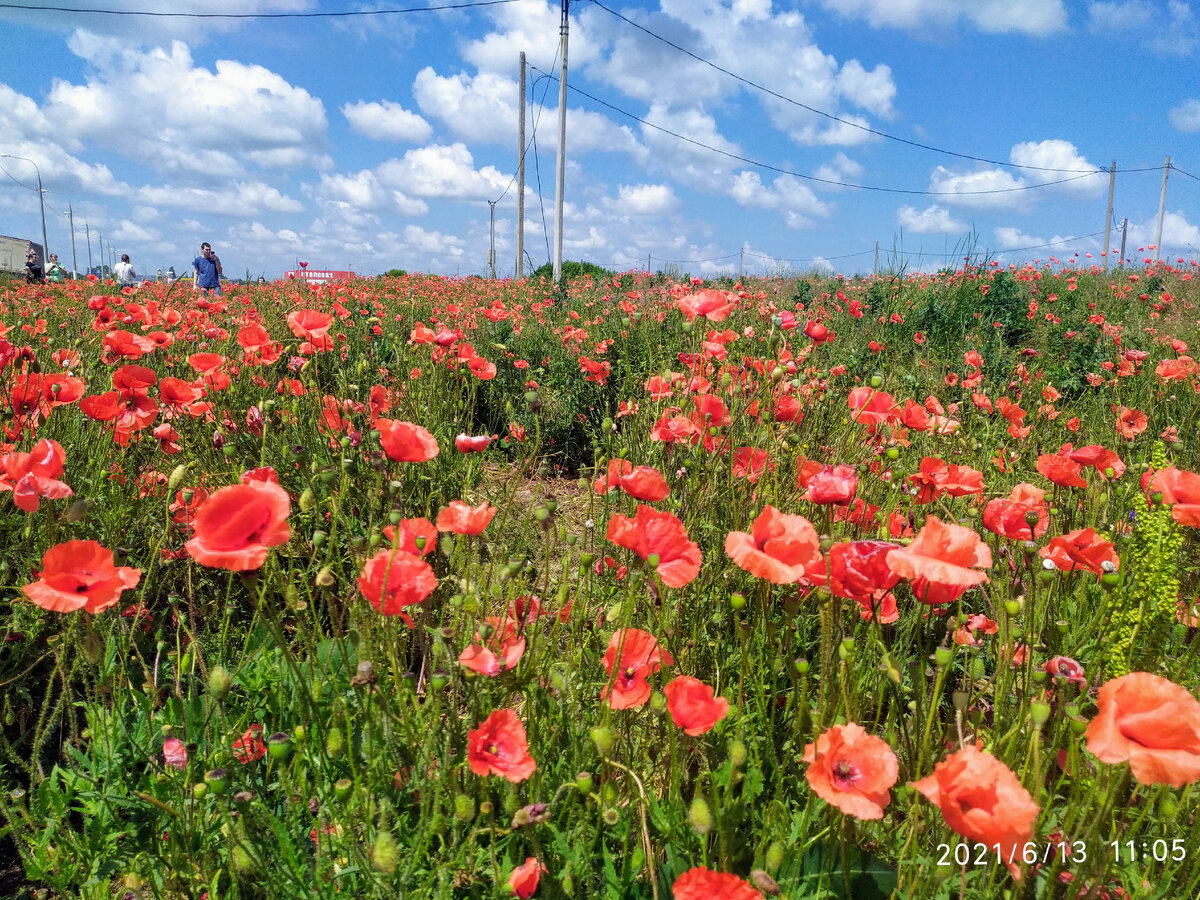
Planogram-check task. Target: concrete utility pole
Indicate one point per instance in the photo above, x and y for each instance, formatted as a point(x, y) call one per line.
point(1112, 184)
point(1162, 205)
point(492, 247)
point(41, 202)
point(1124, 232)
point(521, 174)
point(741, 261)
point(875, 271)
point(88, 234)
point(74, 264)
point(560, 173)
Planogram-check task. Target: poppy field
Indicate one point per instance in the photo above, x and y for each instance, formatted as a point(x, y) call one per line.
point(627, 587)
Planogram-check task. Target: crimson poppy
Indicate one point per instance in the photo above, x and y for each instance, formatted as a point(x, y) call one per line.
point(498, 652)
point(859, 571)
point(1181, 491)
point(832, 484)
point(936, 477)
point(405, 533)
point(466, 443)
point(250, 746)
point(702, 884)
point(644, 483)
point(852, 770)
point(693, 706)
point(651, 532)
point(641, 656)
point(499, 747)
point(80, 575)
point(238, 524)
point(523, 881)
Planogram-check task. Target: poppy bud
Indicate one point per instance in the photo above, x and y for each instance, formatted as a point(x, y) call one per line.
point(1040, 712)
point(1109, 580)
point(464, 808)
point(892, 453)
point(602, 737)
point(801, 666)
point(199, 789)
point(774, 857)
point(737, 601)
point(658, 702)
point(737, 754)
point(385, 855)
point(846, 649)
point(700, 816)
point(765, 883)
point(243, 862)
point(486, 808)
point(335, 743)
point(687, 327)
point(219, 682)
point(876, 381)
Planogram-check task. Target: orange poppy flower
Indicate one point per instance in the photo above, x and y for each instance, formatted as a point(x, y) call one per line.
point(1130, 422)
point(34, 475)
point(1179, 369)
point(462, 519)
point(1100, 458)
point(852, 770)
point(943, 554)
point(982, 800)
point(871, 407)
point(250, 746)
point(660, 534)
point(80, 575)
point(238, 524)
point(393, 579)
point(641, 656)
point(501, 651)
point(1009, 516)
point(701, 884)
point(499, 747)
point(406, 441)
point(937, 477)
point(309, 324)
point(523, 882)
point(1061, 469)
point(1151, 723)
point(404, 535)
point(712, 304)
point(1081, 549)
point(1181, 491)
point(780, 548)
point(858, 571)
point(644, 483)
point(693, 706)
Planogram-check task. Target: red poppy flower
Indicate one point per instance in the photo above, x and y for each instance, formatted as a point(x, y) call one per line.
point(852, 770)
point(701, 884)
point(712, 304)
point(1181, 491)
point(641, 656)
point(462, 519)
point(1081, 549)
point(644, 483)
point(523, 881)
point(466, 443)
point(250, 747)
point(80, 575)
point(404, 535)
point(780, 548)
point(661, 534)
point(693, 706)
point(937, 477)
point(34, 475)
point(499, 747)
point(871, 407)
point(944, 554)
point(482, 368)
point(393, 579)
point(805, 470)
point(832, 484)
point(859, 571)
point(310, 325)
point(406, 441)
point(1101, 459)
point(1131, 422)
point(982, 800)
point(1009, 516)
point(1151, 723)
point(1061, 469)
point(750, 463)
point(238, 524)
point(498, 652)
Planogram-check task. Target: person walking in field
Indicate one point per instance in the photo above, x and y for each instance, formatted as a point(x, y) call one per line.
point(208, 270)
point(124, 273)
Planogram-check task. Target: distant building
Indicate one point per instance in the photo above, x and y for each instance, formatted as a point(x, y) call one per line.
point(320, 276)
point(13, 250)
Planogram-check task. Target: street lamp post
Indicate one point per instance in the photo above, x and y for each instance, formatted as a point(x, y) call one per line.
point(41, 202)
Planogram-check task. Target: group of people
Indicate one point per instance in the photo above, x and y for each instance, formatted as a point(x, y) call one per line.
point(207, 268)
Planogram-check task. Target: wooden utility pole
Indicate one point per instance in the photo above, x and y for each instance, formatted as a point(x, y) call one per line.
point(1112, 184)
point(1162, 206)
point(561, 169)
point(521, 174)
point(875, 271)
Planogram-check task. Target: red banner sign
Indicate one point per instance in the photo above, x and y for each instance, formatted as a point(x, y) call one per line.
point(319, 276)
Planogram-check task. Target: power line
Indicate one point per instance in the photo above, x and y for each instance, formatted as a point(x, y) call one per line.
point(861, 187)
point(831, 116)
point(1181, 172)
point(344, 14)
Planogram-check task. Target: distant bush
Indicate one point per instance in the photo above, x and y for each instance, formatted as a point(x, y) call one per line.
point(572, 270)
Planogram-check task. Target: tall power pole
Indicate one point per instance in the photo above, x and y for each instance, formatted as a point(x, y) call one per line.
point(1162, 206)
point(88, 234)
point(1112, 184)
point(74, 264)
point(521, 174)
point(560, 172)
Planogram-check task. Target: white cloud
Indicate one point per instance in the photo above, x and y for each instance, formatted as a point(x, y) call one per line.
point(1033, 17)
point(1038, 158)
point(1186, 116)
point(363, 191)
point(442, 171)
point(386, 121)
point(988, 188)
point(645, 200)
point(1178, 234)
point(1129, 15)
point(244, 199)
point(840, 168)
point(189, 119)
point(482, 107)
point(787, 193)
point(932, 220)
point(1010, 238)
point(1169, 29)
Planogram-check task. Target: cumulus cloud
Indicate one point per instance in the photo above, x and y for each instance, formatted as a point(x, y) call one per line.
point(1032, 17)
point(1178, 234)
point(1186, 116)
point(840, 168)
point(1041, 158)
point(189, 119)
point(987, 188)
point(1169, 29)
point(364, 192)
point(1009, 237)
point(786, 193)
point(445, 171)
point(645, 200)
point(386, 121)
point(244, 199)
point(931, 220)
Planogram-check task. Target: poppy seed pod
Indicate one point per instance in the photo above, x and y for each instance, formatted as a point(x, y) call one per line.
point(700, 816)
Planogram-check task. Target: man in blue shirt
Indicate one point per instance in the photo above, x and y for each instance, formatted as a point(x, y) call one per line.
point(208, 270)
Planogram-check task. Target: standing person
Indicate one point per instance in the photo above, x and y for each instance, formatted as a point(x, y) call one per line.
point(124, 273)
point(33, 268)
point(55, 272)
point(208, 270)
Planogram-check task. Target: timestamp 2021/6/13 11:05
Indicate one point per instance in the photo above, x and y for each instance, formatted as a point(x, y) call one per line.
point(1066, 852)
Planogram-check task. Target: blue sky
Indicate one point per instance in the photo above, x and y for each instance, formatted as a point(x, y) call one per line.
point(378, 142)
